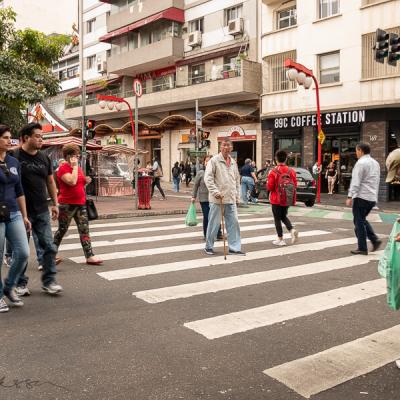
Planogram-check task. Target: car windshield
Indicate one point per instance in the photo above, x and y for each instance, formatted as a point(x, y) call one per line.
point(303, 173)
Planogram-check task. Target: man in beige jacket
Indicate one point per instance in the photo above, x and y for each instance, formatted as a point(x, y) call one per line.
point(223, 182)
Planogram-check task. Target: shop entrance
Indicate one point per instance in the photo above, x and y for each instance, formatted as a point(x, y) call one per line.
point(341, 150)
point(243, 149)
point(292, 145)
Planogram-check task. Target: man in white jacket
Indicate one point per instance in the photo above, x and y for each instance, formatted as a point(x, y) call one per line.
point(223, 182)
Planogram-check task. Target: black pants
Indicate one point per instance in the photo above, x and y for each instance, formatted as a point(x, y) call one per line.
point(156, 182)
point(280, 215)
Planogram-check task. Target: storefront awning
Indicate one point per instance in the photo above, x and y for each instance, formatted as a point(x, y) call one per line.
point(172, 14)
point(70, 140)
point(94, 87)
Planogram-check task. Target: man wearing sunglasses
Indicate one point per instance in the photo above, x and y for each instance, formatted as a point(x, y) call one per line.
point(38, 182)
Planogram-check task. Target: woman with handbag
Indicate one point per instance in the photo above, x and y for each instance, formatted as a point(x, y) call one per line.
point(157, 173)
point(14, 222)
point(72, 201)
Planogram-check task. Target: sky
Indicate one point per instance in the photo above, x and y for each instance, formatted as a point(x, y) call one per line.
point(48, 16)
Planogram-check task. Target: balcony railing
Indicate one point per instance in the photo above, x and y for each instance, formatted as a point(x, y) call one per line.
point(220, 72)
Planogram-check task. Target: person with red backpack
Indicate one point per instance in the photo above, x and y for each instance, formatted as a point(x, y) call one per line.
point(282, 185)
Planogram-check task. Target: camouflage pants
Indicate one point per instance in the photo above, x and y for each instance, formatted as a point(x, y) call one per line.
point(79, 214)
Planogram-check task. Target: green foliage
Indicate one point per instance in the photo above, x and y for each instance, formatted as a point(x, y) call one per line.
point(26, 57)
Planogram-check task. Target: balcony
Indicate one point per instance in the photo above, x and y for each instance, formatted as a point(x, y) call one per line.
point(123, 16)
point(147, 58)
point(240, 83)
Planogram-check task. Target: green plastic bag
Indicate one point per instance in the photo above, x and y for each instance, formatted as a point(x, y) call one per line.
point(385, 261)
point(191, 217)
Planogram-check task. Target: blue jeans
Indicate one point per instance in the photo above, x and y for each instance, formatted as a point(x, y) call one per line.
point(205, 208)
point(39, 250)
point(247, 185)
point(177, 180)
point(15, 233)
point(363, 229)
point(231, 223)
point(41, 227)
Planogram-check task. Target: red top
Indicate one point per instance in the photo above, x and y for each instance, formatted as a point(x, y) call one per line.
point(71, 194)
point(272, 185)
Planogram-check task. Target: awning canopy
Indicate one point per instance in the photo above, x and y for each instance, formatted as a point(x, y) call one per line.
point(94, 87)
point(119, 149)
point(70, 140)
point(172, 14)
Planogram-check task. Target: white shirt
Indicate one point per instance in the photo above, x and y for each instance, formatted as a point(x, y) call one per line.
point(365, 179)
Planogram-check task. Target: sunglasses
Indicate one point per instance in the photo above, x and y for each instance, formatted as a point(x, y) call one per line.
point(5, 169)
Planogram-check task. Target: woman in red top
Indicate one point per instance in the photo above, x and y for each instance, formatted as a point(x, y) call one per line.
point(72, 201)
point(278, 205)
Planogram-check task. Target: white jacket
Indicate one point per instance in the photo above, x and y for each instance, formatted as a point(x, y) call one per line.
point(219, 178)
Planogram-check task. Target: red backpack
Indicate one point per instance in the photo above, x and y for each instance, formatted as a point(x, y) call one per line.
point(286, 188)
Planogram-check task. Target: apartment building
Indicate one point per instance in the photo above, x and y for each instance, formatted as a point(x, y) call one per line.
point(360, 98)
point(183, 51)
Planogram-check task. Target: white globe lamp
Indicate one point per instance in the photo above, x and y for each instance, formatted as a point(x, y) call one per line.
point(301, 77)
point(292, 74)
point(118, 106)
point(308, 82)
point(102, 104)
point(110, 105)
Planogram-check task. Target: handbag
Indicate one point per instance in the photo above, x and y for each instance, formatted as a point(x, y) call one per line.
point(158, 173)
point(91, 210)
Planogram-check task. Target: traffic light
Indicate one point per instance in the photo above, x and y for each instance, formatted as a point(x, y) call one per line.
point(90, 124)
point(394, 49)
point(381, 46)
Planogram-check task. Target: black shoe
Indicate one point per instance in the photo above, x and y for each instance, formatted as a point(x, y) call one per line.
point(210, 252)
point(359, 252)
point(376, 245)
point(236, 253)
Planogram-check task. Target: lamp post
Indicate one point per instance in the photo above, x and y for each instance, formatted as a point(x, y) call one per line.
point(113, 102)
point(304, 76)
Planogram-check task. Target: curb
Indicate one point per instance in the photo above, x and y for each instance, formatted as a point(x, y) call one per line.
point(144, 213)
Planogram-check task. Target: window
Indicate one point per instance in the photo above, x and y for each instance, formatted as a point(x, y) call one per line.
point(276, 79)
point(196, 25)
point(164, 83)
point(90, 25)
point(90, 62)
point(197, 74)
point(72, 72)
point(62, 75)
point(286, 18)
point(328, 8)
point(370, 68)
point(233, 13)
point(146, 37)
point(329, 68)
point(133, 40)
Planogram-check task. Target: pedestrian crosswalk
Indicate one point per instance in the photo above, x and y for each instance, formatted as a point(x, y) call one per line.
point(146, 253)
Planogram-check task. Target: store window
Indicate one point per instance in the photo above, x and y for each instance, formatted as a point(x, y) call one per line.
point(90, 25)
point(233, 13)
point(197, 74)
point(196, 25)
point(286, 18)
point(328, 8)
point(329, 68)
point(292, 145)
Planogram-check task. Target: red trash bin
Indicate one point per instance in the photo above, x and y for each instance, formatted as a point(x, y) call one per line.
point(144, 192)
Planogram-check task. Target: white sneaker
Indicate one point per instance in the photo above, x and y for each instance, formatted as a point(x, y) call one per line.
point(295, 235)
point(40, 267)
point(3, 306)
point(398, 363)
point(279, 243)
point(22, 291)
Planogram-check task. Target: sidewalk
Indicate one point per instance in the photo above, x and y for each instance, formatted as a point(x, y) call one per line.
point(178, 203)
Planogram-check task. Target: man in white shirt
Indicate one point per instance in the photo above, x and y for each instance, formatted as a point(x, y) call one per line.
point(363, 195)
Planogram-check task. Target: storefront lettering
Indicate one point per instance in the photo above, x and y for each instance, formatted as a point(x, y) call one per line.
point(334, 118)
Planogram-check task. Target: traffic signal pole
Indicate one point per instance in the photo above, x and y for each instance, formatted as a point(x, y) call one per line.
point(197, 139)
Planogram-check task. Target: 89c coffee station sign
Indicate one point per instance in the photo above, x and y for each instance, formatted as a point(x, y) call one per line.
point(332, 118)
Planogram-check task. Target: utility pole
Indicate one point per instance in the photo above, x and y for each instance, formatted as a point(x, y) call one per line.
point(82, 83)
point(198, 126)
point(136, 151)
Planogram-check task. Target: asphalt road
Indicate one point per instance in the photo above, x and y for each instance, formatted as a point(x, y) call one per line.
point(119, 336)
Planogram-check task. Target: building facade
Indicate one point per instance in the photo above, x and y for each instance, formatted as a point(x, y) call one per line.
point(182, 51)
point(360, 98)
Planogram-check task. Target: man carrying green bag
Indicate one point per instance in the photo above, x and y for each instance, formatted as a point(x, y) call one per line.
point(191, 217)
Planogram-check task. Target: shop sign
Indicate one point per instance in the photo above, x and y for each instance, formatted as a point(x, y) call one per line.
point(237, 133)
point(333, 118)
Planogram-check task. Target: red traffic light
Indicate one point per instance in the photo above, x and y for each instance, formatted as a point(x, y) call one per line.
point(206, 135)
point(90, 124)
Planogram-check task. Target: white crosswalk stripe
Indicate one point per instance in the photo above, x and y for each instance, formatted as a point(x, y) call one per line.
point(329, 367)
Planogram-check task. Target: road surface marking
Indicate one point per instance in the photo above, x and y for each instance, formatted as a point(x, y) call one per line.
point(242, 321)
point(213, 261)
point(178, 249)
point(216, 285)
point(322, 371)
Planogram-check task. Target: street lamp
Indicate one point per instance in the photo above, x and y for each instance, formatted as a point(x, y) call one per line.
point(304, 76)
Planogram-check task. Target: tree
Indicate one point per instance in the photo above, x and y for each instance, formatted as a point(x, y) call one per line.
point(26, 57)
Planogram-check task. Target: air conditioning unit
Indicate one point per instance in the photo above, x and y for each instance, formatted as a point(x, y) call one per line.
point(235, 26)
point(102, 66)
point(194, 39)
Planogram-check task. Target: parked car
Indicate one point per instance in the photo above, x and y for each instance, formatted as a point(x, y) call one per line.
point(306, 186)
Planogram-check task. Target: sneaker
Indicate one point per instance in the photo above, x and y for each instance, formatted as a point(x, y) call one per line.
point(295, 235)
point(279, 243)
point(210, 252)
point(40, 267)
point(3, 306)
point(13, 298)
point(398, 363)
point(236, 253)
point(21, 291)
point(52, 288)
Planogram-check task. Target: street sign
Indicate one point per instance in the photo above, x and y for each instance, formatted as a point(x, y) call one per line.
point(321, 137)
point(137, 88)
point(198, 153)
point(199, 119)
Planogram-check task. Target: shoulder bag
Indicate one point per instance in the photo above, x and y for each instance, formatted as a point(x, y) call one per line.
point(91, 210)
